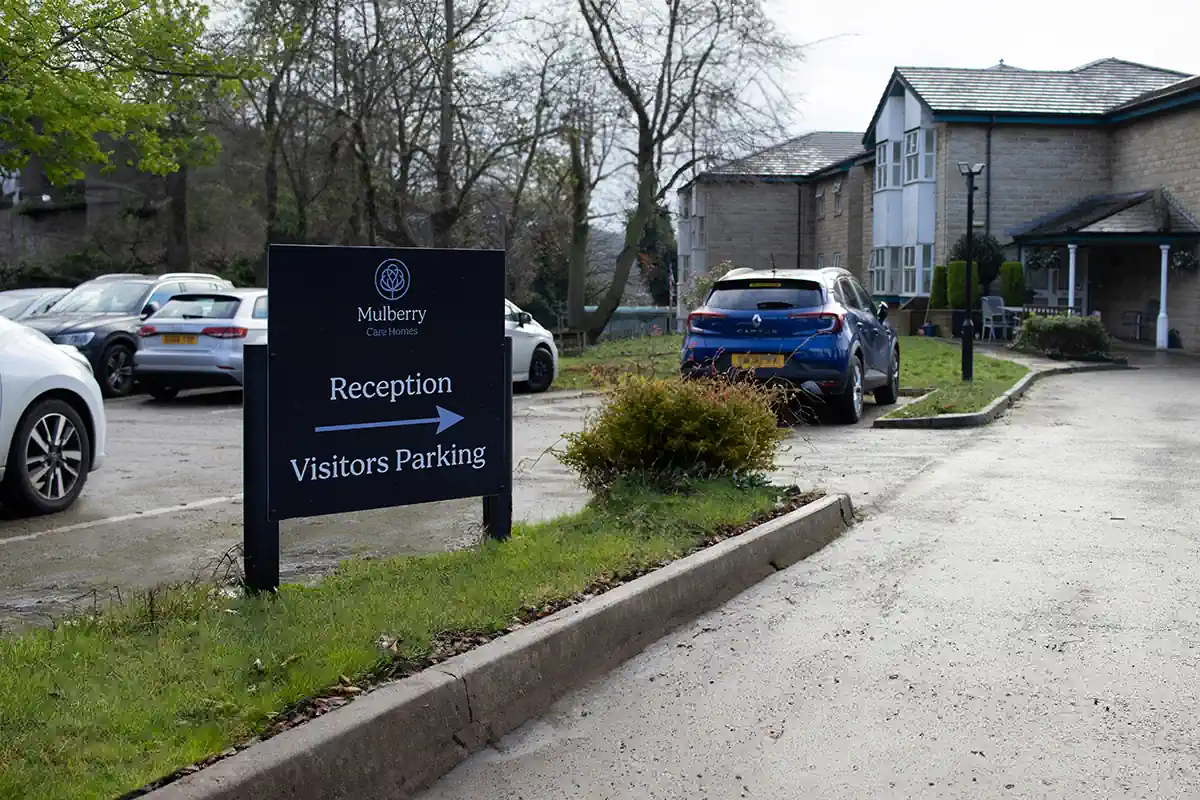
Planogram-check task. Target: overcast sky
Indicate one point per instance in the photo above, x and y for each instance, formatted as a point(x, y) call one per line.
point(842, 78)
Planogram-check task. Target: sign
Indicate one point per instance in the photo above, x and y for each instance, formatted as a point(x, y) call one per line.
point(387, 382)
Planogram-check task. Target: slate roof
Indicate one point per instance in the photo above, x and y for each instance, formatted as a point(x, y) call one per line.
point(795, 158)
point(1091, 89)
point(1140, 212)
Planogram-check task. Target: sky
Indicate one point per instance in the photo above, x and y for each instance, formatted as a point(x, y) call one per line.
point(852, 47)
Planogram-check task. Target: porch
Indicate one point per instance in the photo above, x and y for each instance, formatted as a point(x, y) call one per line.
point(1128, 258)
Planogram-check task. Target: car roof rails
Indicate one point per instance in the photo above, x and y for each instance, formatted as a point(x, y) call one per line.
point(182, 276)
point(112, 276)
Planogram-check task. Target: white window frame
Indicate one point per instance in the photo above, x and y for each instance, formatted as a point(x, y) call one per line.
point(912, 155)
point(929, 153)
point(700, 235)
point(820, 261)
point(820, 195)
point(878, 270)
point(881, 163)
point(897, 163)
point(925, 283)
point(837, 197)
point(837, 260)
point(685, 268)
point(909, 285)
point(685, 205)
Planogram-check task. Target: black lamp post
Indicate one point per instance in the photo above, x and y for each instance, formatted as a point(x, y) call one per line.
point(969, 171)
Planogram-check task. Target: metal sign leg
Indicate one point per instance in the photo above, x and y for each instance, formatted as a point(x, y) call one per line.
point(498, 509)
point(260, 535)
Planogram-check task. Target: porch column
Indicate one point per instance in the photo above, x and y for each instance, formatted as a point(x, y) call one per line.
point(1071, 250)
point(1160, 339)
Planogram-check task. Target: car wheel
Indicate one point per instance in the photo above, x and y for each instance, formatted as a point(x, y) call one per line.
point(886, 395)
point(541, 371)
point(48, 460)
point(162, 393)
point(117, 370)
point(850, 402)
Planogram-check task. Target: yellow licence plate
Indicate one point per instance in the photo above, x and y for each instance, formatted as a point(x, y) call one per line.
point(757, 361)
point(177, 338)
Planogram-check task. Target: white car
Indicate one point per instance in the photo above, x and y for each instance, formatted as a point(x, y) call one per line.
point(51, 421)
point(535, 356)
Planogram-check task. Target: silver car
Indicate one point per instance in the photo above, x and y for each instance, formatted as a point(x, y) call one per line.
point(195, 341)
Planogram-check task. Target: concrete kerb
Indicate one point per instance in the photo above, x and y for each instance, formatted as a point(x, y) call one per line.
point(400, 738)
point(997, 406)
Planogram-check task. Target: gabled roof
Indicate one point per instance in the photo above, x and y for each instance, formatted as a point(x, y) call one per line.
point(795, 158)
point(1142, 213)
point(1087, 91)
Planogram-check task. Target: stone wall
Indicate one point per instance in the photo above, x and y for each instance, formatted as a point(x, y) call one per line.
point(748, 223)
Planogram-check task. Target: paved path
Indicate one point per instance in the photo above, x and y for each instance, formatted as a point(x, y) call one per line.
point(1018, 618)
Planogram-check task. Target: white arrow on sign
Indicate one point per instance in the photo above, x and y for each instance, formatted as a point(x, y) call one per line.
point(443, 420)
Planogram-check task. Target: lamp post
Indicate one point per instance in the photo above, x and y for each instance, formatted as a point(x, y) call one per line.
point(970, 172)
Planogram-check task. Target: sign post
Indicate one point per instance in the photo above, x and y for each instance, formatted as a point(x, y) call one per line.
point(260, 535)
point(383, 385)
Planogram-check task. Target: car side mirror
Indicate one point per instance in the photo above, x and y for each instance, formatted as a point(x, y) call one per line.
point(149, 309)
point(524, 318)
point(882, 313)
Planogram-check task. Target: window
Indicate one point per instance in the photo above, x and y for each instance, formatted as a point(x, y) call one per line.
point(897, 163)
point(837, 260)
point(685, 268)
point(759, 295)
point(864, 296)
point(700, 238)
point(879, 271)
point(163, 293)
point(260, 308)
point(926, 268)
point(849, 296)
point(910, 270)
point(837, 197)
point(912, 156)
point(930, 152)
point(200, 306)
point(881, 173)
point(820, 261)
point(685, 205)
point(820, 201)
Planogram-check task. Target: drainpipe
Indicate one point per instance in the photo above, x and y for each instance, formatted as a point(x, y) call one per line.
point(987, 214)
point(799, 226)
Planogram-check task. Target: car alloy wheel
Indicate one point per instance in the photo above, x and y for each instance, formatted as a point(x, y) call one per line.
point(856, 388)
point(118, 371)
point(53, 457)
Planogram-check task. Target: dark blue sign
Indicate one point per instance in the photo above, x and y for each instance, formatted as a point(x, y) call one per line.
point(386, 378)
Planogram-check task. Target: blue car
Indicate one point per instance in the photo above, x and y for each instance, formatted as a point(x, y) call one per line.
point(797, 328)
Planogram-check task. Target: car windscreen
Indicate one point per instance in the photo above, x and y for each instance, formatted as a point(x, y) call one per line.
point(765, 295)
point(200, 306)
point(11, 306)
point(104, 297)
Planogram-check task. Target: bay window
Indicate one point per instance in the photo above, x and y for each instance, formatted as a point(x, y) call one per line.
point(926, 268)
point(912, 156)
point(930, 153)
point(881, 161)
point(910, 270)
point(897, 163)
point(878, 270)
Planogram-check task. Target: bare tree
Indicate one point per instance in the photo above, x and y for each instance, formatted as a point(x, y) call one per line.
point(679, 66)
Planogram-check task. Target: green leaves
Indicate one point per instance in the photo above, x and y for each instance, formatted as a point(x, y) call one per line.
point(75, 70)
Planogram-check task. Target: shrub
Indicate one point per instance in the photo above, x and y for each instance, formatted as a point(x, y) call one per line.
point(1012, 283)
point(955, 291)
point(669, 431)
point(986, 252)
point(937, 292)
point(1065, 336)
point(702, 284)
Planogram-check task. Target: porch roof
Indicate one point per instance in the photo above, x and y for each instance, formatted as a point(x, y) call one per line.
point(1145, 215)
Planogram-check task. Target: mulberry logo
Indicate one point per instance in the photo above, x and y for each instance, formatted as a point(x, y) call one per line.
point(392, 279)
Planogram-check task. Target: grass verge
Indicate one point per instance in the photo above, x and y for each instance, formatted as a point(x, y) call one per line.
point(107, 705)
point(653, 356)
point(937, 365)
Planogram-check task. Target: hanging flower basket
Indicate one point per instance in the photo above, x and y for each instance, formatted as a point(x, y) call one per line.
point(1184, 260)
point(1043, 258)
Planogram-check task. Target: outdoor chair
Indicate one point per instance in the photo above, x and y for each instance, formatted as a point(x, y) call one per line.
point(995, 318)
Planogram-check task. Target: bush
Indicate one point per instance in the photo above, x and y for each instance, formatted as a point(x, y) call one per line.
point(986, 252)
point(937, 292)
point(702, 284)
point(669, 431)
point(1065, 337)
point(955, 273)
point(1012, 283)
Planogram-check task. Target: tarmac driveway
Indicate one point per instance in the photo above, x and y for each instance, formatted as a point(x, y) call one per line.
point(1016, 618)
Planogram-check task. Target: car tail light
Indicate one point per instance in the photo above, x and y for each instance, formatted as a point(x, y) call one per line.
point(147, 330)
point(224, 333)
point(833, 321)
point(696, 320)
